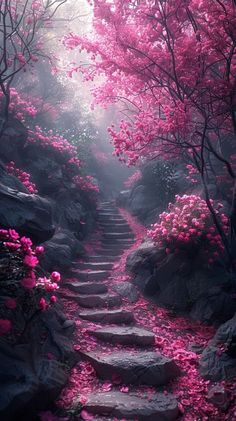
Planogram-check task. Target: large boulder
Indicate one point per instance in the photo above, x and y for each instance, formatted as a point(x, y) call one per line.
point(218, 360)
point(29, 214)
point(181, 283)
point(34, 369)
point(61, 250)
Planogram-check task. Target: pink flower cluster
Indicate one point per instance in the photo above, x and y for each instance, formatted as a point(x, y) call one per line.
point(26, 255)
point(86, 183)
point(188, 223)
point(193, 173)
point(19, 107)
point(23, 176)
point(133, 179)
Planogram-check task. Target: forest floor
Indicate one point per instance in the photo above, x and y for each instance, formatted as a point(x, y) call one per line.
point(175, 337)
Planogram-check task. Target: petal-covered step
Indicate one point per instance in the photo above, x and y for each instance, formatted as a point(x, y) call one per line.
point(94, 265)
point(108, 316)
point(88, 287)
point(120, 405)
point(125, 335)
point(100, 301)
point(141, 367)
point(91, 275)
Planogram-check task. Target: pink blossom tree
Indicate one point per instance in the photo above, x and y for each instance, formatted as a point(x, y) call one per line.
point(175, 71)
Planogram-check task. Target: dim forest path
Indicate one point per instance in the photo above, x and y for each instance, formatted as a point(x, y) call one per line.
point(135, 359)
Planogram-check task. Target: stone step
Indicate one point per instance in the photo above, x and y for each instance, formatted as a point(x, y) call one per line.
point(118, 235)
point(110, 218)
point(101, 259)
point(108, 317)
point(115, 223)
point(103, 265)
point(92, 275)
point(143, 367)
point(99, 301)
point(125, 406)
point(115, 228)
point(88, 287)
point(111, 252)
point(114, 245)
point(125, 335)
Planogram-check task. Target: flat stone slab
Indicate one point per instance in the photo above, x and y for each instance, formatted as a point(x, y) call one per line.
point(95, 265)
point(108, 317)
point(101, 258)
point(126, 290)
point(142, 367)
point(103, 300)
point(116, 228)
point(125, 335)
point(91, 275)
point(88, 287)
point(111, 252)
point(118, 235)
point(116, 404)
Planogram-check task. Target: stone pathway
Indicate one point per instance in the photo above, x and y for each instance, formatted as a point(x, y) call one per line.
point(132, 358)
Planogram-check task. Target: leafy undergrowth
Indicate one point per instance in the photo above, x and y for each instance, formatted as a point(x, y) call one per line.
point(174, 338)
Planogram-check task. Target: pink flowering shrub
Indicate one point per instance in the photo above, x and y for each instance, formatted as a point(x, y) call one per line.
point(20, 279)
point(58, 145)
point(23, 176)
point(129, 183)
point(188, 226)
point(86, 183)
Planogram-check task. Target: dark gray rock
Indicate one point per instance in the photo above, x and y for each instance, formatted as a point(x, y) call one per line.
point(126, 290)
point(125, 335)
point(123, 198)
point(218, 360)
point(144, 367)
point(29, 214)
point(145, 257)
point(61, 250)
point(180, 282)
point(108, 316)
point(33, 372)
point(215, 306)
point(120, 405)
point(219, 396)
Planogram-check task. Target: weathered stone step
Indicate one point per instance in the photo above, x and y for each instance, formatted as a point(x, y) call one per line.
point(91, 275)
point(110, 218)
point(120, 405)
point(115, 223)
point(88, 287)
point(101, 259)
point(108, 317)
point(143, 367)
point(111, 252)
point(103, 265)
point(116, 245)
point(99, 301)
point(118, 235)
point(125, 335)
point(115, 228)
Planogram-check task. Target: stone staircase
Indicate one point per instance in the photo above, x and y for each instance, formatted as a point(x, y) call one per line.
point(141, 365)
